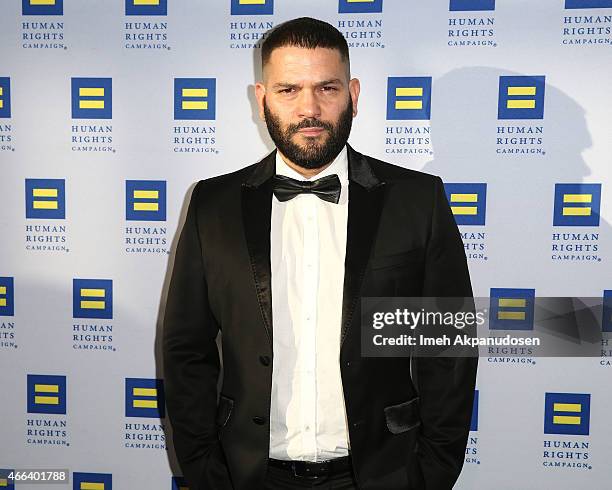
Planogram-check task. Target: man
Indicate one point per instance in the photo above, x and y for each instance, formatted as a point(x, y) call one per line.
point(276, 256)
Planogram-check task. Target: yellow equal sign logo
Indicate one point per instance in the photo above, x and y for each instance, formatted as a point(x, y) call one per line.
point(45, 192)
point(146, 2)
point(577, 199)
point(195, 104)
point(49, 398)
point(521, 103)
point(567, 419)
point(147, 194)
point(3, 482)
point(91, 92)
point(42, 2)
point(409, 92)
point(141, 403)
point(1, 97)
point(88, 304)
point(464, 198)
point(511, 303)
point(252, 2)
point(90, 485)
point(3, 296)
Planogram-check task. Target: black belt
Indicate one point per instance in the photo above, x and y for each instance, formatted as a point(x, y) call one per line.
point(310, 469)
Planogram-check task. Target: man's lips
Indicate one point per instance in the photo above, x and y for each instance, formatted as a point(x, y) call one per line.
point(315, 131)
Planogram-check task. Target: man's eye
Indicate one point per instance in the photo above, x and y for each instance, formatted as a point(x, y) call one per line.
point(329, 88)
point(286, 90)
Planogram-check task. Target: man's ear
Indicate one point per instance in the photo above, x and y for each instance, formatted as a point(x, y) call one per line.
point(260, 92)
point(354, 89)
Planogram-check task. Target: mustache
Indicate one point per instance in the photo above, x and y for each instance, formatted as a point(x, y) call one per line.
point(309, 123)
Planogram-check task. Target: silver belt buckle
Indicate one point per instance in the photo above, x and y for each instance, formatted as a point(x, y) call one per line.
point(308, 477)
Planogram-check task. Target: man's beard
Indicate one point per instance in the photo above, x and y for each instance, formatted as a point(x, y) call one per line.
point(312, 155)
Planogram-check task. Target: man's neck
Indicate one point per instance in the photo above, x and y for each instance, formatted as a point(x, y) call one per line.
point(304, 172)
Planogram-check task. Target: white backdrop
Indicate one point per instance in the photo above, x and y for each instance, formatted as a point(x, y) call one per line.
point(103, 131)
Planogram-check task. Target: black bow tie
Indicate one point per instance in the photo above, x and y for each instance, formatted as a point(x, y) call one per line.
point(326, 188)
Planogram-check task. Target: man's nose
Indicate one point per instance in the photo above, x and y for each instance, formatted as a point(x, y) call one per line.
point(308, 104)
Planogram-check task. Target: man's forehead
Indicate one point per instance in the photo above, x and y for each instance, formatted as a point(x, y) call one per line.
point(286, 60)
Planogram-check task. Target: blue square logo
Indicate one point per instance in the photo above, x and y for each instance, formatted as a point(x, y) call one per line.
point(45, 198)
point(606, 321)
point(474, 421)
point(588, 4)
point(408, 98)
point(194, 98)
point(92, 481)
point(46, 394)
point(468, 202)
point(521, 97)
point(92, 298)
point(42, 7)
point(567, 413)
point(5, 97)
point(92, 98)
point(471, 5)
point(7, 296)
point(511, 309)
point(144, 398)
point(179, 483)
point(577, 204)
point(5, 482)
point(145, 200)
point(360, 6)
point(252, 7)
point(146, 7)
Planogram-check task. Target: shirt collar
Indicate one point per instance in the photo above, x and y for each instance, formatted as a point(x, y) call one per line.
point(339, 166)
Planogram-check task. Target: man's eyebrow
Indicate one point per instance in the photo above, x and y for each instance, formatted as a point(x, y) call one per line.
point(331, 81)
point(284, 85)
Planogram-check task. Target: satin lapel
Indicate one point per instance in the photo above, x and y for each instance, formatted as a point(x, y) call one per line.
point(366, 194)
point(256, 213)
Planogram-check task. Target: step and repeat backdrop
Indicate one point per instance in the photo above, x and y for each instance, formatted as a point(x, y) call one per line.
point(110, 111)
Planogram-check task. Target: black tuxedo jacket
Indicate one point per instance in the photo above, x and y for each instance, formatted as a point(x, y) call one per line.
point(406, 432)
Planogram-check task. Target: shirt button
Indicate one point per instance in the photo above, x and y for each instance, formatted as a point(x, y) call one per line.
point(307, 428)
point(259, 420)
point(265, 360)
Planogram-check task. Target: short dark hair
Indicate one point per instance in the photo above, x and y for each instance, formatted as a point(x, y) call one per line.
point(304, 32)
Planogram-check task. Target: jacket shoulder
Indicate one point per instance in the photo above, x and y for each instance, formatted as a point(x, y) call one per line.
point(235, 177)
point(221, 186)
point(390, 172)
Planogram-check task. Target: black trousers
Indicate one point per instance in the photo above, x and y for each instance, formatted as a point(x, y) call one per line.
point(281, 479)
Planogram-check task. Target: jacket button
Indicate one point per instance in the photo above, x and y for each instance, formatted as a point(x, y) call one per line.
point(259, 420)
point(265, 360)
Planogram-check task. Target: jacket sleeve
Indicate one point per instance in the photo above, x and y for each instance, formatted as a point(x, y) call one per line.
point(445, 384)
point(191, 363)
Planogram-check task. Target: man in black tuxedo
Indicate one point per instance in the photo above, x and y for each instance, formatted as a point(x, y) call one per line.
point(277, 256)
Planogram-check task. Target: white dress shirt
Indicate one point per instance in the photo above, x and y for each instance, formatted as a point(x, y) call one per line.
point(307, 251)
